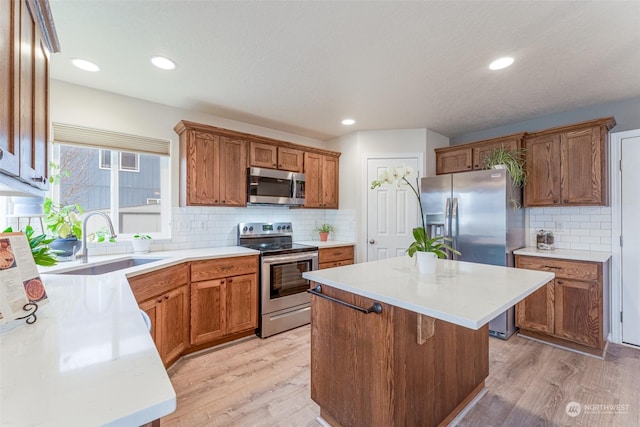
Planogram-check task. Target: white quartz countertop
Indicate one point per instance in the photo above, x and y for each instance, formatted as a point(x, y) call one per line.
point(572, 254)
point(89, 359)
point(327, 244)
point(463, 293)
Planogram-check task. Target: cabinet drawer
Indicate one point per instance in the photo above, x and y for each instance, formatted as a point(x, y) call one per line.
point(158, 282)
point(335, 254)
point(335, 264)
point(223, 267)
point(578, 270)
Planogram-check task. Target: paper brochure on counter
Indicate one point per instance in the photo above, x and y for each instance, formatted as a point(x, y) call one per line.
point(20, 282)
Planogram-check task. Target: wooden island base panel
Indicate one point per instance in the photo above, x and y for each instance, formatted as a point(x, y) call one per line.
point(395, 368)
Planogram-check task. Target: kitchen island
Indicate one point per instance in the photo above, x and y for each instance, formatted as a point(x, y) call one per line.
point(421, 354)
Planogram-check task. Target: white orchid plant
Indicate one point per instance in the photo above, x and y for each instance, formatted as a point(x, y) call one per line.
point(422, 243)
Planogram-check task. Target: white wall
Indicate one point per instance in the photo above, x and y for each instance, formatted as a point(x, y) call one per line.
point(82, 106)
point(191, 226)
point(357, 146)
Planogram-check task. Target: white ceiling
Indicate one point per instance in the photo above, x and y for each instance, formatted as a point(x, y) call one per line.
point(303, 66)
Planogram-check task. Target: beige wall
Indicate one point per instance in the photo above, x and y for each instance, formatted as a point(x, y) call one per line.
point(82, 106)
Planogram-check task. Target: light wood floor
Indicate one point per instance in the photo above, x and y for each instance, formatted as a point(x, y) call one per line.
point(259, 382)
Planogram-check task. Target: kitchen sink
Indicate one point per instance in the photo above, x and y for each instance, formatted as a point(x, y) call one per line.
point(107, 267)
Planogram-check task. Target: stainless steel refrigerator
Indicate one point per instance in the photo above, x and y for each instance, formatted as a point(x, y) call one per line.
point(481, 211)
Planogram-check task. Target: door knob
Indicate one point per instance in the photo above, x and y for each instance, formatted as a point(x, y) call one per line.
point(372, 241)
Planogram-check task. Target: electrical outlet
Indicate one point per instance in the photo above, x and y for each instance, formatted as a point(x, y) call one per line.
point(559, 226)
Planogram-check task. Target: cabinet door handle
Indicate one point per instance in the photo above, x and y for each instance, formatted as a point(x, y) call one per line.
point(375, 308)
point(555, 201)
point(553, 267)
point(166, 297)
point(159, 300)
point(565, 201)
point(229, 280)
point(1, 154)
point(559, 282)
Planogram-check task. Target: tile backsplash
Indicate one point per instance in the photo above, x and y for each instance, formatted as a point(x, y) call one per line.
point(202, 227)
point(581, 227)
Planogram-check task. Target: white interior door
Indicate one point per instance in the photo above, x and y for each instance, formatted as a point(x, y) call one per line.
point(630, 201)
point(392, 212)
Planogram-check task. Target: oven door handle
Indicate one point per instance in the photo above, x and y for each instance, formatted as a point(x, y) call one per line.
point(278, 259)
point(376, 307)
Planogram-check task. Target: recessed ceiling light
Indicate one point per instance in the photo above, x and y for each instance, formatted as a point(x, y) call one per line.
point(501, 63)
point(163, 63)
point(85, 65)
point(348, 122)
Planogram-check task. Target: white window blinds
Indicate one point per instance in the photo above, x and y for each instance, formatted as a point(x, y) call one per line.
point(98, 138)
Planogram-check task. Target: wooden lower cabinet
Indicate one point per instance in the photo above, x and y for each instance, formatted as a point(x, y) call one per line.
point(379, 370)
point(572, 309)
point(164, 295)
point(224, 298)
point(169, 314)
point(335, 256)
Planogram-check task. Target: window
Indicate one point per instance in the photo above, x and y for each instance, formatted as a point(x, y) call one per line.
point(135, 202)
point(127, 161)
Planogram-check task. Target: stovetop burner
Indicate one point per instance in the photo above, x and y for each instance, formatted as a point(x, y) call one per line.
point(270, 238)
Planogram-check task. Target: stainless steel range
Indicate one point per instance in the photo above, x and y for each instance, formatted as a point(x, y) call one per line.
point(284, 301)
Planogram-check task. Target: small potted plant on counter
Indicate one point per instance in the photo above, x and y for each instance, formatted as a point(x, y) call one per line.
point(324, 231)
point(141, 243)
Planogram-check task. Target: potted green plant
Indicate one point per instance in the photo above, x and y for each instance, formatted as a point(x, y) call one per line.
point(64, 222)
point(511, 160)
point(141, 243)
point(324, 231)
point(426, 249)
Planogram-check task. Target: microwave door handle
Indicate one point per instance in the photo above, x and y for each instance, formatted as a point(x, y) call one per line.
point(293, 189)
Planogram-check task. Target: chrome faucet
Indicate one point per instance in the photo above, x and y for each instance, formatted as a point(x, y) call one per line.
point(85, 250)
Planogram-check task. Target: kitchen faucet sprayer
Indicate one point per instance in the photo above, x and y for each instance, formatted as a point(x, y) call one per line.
point(85, 250)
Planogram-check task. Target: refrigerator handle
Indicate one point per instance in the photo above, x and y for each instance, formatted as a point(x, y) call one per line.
point(447, 213)
point(454, 225)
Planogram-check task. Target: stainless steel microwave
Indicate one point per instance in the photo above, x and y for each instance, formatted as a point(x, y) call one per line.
point(274, 187)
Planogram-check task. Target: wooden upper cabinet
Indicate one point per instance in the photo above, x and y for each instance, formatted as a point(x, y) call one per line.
point(321, 185)
point(198, 167)
point(543, 171)
point(274, 157)
point(10, 93)
point(452, 160)
point(467, 157)
point(214, 162)
point(24, 105)
point(232, 175)
point(212, 168)
point(263, 155)
point(290, 159)
point(568, 165)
